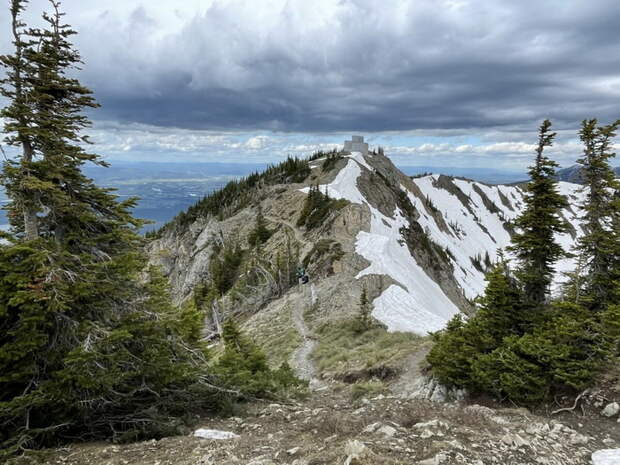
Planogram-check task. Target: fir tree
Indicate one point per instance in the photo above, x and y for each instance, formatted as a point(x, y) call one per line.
point(500, 307)
point(243, 367)
point(600, 245)
point(19, 116)
point(498, 316)
point(364, 319)
point(90, 345)
point(260, 234)
point(534, 244)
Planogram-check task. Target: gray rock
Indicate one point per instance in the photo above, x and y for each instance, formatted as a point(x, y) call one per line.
point(611, 410)
point(577, 439)
point(387, 431)
point(356, 451)
point(513, 439)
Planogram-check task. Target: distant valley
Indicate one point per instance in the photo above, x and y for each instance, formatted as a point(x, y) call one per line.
point(165, 189)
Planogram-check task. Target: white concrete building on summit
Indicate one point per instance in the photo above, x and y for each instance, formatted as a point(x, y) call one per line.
point(356, 144)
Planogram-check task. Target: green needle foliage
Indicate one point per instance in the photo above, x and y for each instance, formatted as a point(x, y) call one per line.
point(260, 234)
point(520, 345)
point(317, 208)
point(534, 244)
point(600, 246)
point(243, 367)
point(90, 345)
point(363, 322)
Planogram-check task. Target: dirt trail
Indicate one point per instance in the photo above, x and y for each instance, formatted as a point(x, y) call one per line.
point(301, 357)
point(305, 297)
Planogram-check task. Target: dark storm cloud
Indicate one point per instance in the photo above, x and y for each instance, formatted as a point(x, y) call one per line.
point(355, 65)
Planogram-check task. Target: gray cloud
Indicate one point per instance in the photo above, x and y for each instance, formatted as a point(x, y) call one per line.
point(351, 65)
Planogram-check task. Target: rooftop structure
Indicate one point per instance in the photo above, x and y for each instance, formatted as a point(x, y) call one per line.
point(356, 144)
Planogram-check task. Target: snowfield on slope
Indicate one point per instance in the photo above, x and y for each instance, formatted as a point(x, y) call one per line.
point(472, 228)
point(476, 231)
point(417, 304)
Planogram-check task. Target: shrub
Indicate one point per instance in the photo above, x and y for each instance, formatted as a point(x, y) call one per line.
point(317, 208)
point(224, 266)
point(243, 367)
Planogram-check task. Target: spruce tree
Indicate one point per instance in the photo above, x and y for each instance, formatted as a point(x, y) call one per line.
point(534, 244)
point(90, 345)
point(600, 245)
point(364, 319)
point(260, 234)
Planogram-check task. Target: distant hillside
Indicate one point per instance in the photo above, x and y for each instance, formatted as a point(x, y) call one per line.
point(487, 175)
point(573, 174)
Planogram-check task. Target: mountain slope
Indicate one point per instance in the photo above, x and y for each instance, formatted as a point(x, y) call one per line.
point(419, 246)
point(573, 174)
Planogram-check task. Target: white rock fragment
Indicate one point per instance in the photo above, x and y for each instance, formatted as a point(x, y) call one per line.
point(355, 451)
point(438, 459)
point(606, 457)
point(204, 433)
point(611, 410)
point(372, 427)
point(577, 439)
point(293, 451)
point(387, 431)
point(514, 440)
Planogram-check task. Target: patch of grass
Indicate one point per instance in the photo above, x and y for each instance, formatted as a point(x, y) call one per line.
point(367, 389)
point(341, 349)
point(277, 336)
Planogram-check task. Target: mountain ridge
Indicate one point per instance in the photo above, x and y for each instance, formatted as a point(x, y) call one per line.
point(440, 233)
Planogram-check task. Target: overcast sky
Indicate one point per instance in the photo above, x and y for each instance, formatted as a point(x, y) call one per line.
point(437, 82)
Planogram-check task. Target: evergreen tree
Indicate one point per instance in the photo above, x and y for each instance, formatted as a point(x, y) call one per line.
point(364, 319)
point(534, 244)
point(499, 311)
point(260, 234)
point(90, 345)
point(243, 367)
point(600, 245)
point(512, 354)
point(498, 316)
point(19, 115)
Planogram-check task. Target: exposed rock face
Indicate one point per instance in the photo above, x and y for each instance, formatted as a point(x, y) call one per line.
point(419, 246)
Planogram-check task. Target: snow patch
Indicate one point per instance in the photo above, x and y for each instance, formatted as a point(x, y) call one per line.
point(475, 231)
point(417, 304)
point(204, 433)
point(606, 457)
point(471, 231)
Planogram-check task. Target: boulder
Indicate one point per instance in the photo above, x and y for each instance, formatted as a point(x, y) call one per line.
point(611, 410)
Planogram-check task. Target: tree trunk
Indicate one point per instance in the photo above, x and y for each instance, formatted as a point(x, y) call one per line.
point(31, 222)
